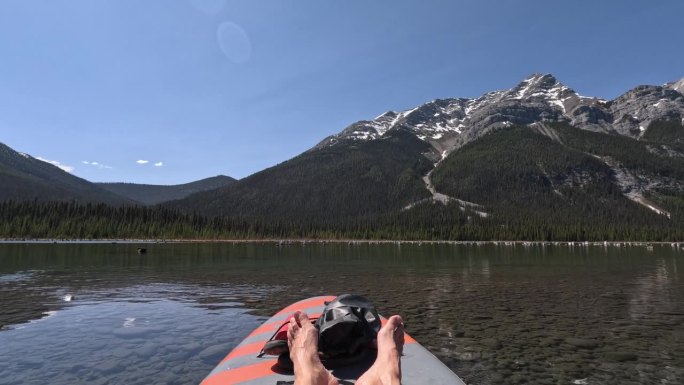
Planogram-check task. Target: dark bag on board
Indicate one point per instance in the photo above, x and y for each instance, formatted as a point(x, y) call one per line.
point(346, 330)
point(347, 327)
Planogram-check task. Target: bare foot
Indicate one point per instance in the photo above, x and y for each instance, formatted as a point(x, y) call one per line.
point(387, 367)
point(302, 338)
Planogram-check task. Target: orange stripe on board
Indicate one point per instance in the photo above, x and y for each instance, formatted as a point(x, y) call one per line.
point(273, 326)
point(407, 338)
point(318, 301)
point(244, 350)
point(270, 327)
point(242, 374)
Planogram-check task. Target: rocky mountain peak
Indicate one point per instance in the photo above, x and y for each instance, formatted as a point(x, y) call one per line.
point(447, 124)
point(677, 86)
point(544, 89)
point(537, 85)
point(633, 111)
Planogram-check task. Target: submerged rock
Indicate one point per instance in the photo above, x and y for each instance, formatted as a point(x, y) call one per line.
point(582, 343)
point(620, 356)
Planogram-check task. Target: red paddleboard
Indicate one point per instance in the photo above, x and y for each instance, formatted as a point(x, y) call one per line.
point(243, 366)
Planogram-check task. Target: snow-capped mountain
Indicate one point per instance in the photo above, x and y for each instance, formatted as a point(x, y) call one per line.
point(447, 124)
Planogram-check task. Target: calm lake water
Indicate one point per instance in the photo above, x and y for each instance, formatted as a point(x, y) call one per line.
point(102, 314)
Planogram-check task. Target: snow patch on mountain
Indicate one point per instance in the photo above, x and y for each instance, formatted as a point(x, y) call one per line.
point(544, 88)
point(677, 86)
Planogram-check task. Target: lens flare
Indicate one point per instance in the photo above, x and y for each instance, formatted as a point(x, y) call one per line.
point(234, 42)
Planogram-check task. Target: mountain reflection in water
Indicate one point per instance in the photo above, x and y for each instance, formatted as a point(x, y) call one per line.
point(651, 290)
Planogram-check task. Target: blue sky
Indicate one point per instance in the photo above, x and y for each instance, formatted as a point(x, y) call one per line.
point(199, 88)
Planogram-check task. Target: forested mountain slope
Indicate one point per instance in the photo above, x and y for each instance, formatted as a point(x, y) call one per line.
point(153, 194)
point(322, 185)
point(560, 176)
point(23, 177)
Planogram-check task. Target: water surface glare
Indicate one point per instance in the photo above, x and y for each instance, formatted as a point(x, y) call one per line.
point(102, 314)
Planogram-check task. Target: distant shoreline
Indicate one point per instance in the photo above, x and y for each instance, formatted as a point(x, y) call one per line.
point(676, 244)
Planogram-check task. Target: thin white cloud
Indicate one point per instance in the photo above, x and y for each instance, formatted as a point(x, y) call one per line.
point(159, 164)
point(64, 167)
point(96, 164)
point(141, 161)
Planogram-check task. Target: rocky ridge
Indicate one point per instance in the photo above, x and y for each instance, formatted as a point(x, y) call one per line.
point(447, 124)
point(677, 86)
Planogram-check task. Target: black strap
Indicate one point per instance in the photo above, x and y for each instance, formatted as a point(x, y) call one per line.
point(262, 352)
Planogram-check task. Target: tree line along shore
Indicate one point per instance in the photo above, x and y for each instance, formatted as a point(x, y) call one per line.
point(429, 222)
point(354, 242)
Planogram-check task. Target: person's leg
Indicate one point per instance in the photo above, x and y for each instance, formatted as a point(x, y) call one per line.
point(387, 367)
point(302, 338)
